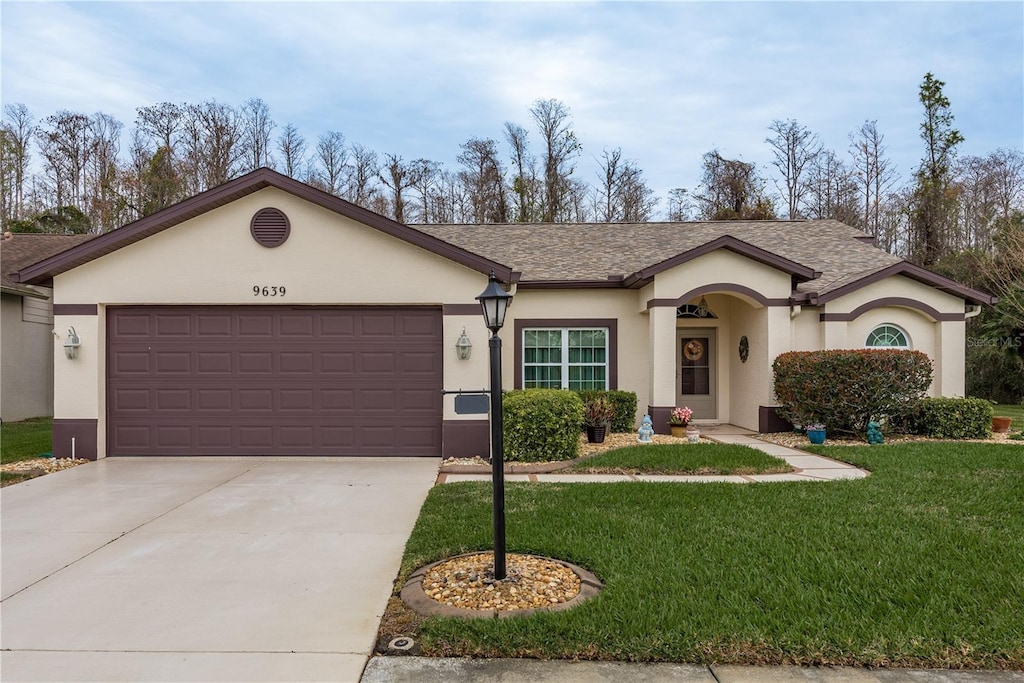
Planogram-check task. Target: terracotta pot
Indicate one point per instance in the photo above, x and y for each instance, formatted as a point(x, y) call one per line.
point(678, 430)
point(1001, 425)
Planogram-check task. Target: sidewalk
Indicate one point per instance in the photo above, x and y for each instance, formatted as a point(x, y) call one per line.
point(806, 466)
point(439, 670)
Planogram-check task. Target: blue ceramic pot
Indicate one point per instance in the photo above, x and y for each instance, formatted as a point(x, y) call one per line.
point(817, 436)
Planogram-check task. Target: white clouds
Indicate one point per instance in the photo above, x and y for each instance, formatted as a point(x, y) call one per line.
point(665, 81)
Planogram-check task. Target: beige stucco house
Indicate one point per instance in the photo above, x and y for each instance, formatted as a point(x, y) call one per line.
point(26, 327)
point(267, 317)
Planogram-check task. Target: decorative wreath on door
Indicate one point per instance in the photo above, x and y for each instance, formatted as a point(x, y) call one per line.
point(693, 350)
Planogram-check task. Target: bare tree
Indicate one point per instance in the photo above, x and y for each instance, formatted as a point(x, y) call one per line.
point(292, 147)
point(831, 190)
point(331, 162)
point(161, 122)
point(17, 131)
point(484, 179)
point(257, 128)
point(103, 195)
point(623, 194)
point(732, 190)
point(794, 148)
point(525, 184)
point(874, 175)
point(213, 136)
point(680, 205)
point(361, 173)
point(65, 145)
point(425, 173)
point(560, 149)
point(397, 177)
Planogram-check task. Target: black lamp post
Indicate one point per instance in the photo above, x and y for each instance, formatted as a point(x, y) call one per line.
point(495, 302)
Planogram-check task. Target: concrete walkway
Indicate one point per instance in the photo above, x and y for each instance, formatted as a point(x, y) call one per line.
point(203, 569)
point(806, 466)
point(429, 670)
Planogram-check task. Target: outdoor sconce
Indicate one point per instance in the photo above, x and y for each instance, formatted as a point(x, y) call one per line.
point(463, 346)
point(71, 344)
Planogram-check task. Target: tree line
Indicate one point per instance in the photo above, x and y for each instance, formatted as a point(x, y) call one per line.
point(70, 172)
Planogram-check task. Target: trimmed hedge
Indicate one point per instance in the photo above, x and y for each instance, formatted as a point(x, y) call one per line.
point(847, 389)
point(952, 418)
point(542, 424)
point(624, 403)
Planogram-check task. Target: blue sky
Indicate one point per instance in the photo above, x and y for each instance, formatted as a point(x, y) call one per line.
point(666, 81)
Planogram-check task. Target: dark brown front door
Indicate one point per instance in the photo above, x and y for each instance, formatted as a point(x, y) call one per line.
point(696, 372)
point(273, 380)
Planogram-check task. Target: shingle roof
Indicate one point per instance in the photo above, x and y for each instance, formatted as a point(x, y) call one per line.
point(597, 251)
point(18, 250)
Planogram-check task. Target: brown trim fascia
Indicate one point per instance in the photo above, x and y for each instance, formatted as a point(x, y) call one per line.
point(865, 239)
point(461, 309)
point(891, 301)
point(715, 288)
point(76, 309)
point(551, 323)
point(733, 244)
point(570, 284)
point(240, 187)
point(913, 272)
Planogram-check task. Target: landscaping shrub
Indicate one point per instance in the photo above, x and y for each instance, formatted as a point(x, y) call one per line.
point(952, 418)
point(847, 389)
point(624, 403)
point(542, 424)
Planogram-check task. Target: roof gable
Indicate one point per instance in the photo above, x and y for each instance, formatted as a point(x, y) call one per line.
point(241, 187)
point(909, 270)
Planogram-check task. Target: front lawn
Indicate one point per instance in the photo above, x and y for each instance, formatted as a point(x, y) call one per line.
point(918, 565)
point(25, 440)
point(702, 458)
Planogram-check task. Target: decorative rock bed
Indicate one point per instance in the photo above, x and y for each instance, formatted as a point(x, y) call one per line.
point(464, 586)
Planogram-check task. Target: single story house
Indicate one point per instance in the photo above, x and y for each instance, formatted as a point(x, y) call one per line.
point(267, 317)
point(26, 327)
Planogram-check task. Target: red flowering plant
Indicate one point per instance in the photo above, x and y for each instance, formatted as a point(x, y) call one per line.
point(680, 416)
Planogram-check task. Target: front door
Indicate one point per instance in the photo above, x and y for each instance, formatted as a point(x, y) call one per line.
point(696, 372)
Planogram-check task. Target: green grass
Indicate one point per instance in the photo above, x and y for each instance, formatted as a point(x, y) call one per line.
point(683, 459)
point(917, 565)
point(25, 440)
point(1015, 412)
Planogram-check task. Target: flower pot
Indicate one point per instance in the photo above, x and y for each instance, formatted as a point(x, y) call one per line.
point(678, 431)
point(693, 435)
point(817, 436)
point(596, 434)
point(1001, 425)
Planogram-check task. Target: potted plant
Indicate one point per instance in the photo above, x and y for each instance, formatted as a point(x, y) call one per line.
point(816, 433)
point(597, 413)
point(678, 420)
point(1001, 424)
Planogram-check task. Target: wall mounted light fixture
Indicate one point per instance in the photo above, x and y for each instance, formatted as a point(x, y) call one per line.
point(71, 344)
point(463, 347)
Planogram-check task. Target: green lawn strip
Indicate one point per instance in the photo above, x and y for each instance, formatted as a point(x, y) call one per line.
point(1011, 411)
point(25, 440)
point(683, 459)
point(917, 565)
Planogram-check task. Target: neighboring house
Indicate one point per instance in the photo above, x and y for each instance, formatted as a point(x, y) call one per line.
point(26, 327)
point(267, 317)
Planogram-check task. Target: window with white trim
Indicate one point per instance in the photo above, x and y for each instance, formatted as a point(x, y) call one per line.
point(566, 358)
point(887, 337)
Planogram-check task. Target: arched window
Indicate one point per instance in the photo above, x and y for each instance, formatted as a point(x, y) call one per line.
point(888, 337)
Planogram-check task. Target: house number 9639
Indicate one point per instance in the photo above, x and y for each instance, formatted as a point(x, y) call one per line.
point(268, 290)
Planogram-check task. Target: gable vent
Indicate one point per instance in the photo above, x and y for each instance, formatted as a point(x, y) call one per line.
point(270, 227)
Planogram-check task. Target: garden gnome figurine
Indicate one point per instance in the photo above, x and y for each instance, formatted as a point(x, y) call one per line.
point(643, 434)
point(874, 433)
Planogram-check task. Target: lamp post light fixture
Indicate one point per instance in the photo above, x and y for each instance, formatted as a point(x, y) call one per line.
point(463, 347)
point(494, 302)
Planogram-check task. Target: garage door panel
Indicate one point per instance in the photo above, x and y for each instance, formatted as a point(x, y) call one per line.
point(274, 380)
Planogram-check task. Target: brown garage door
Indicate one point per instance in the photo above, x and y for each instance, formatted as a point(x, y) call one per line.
point(273, 380)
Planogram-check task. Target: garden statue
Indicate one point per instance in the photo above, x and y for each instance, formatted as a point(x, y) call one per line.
point(646, 430)
point(874, 433)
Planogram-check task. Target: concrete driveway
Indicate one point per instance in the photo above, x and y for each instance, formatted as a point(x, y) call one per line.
point(203, 569)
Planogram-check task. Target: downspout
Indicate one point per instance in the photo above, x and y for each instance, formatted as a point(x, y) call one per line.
point(972, 311)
